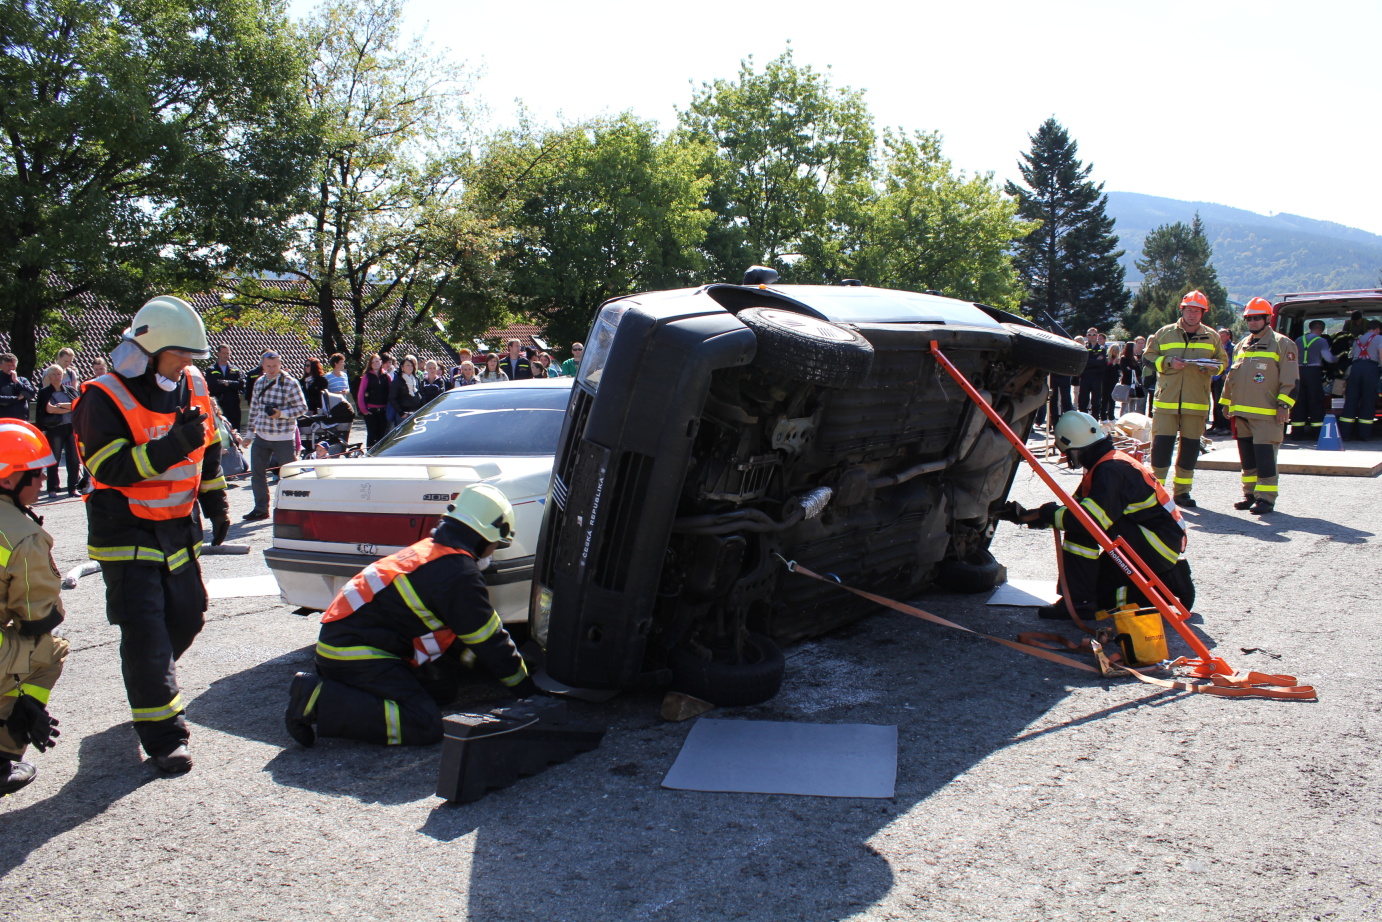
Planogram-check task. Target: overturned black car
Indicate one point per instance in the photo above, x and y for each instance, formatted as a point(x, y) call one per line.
point(714, 432)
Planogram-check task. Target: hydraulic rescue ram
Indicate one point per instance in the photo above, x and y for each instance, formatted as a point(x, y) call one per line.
point(1225, 680)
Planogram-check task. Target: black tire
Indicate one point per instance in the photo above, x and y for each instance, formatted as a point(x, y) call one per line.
point(980, 574)
point(751, 681)
point(804, 348)
point(1047, 351)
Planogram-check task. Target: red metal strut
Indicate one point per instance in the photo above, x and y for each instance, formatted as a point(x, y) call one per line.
point(1207, 665)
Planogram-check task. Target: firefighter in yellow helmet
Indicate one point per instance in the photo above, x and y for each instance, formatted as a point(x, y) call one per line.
point(1259, 395)
point(31, 658)
point(1186, 356)
point(147, 433)
point(401, 616)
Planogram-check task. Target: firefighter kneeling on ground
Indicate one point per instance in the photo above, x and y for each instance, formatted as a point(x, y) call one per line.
point(31, 657)
point(400, 614)
point(1128, 502)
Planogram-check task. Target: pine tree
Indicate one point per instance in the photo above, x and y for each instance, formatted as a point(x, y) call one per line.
point(1175, 260)
point(1070, 263)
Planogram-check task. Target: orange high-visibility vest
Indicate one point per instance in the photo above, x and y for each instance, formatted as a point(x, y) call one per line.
point(1163, 497)
point(373, 579)
point(171, 494)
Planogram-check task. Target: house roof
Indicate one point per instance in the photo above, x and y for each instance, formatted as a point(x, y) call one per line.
point(98, 325)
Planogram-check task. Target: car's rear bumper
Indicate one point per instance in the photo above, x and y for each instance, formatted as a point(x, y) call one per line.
point(311, 579)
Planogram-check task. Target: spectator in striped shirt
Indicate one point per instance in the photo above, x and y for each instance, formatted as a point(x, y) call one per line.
point(274, 410)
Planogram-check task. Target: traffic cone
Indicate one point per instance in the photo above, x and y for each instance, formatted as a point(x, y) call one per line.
point(1329, 435)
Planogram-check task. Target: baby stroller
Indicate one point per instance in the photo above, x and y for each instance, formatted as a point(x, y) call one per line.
point(330, 428)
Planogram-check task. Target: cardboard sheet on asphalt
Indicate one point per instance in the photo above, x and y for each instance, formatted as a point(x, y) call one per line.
point(241, 587)
point(772, 757)
point(1028, 592)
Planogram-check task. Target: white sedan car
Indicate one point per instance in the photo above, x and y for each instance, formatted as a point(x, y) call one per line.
point(333, 517)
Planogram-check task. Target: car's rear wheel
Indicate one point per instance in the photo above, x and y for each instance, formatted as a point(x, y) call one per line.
point(805, 348)
point(1047, 351)
point(755, 677)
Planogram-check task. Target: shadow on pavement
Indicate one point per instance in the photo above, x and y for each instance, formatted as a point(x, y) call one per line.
point(103, 777)
point(599, 838)
point(250, 704)
point(1275, 526)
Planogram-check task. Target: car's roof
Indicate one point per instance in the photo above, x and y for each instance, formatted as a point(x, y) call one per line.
point(1331, 303)
point(836, 303)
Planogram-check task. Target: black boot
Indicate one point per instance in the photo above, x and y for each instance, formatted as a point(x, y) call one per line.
point(298, 718)
point(1244, 503)
point(1057, 612)
point(14, 775)
point(1262, 507)
point(177, 761)
point(1184, 501)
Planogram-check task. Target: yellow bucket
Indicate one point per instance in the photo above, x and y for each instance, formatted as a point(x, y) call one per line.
point(1140, 634)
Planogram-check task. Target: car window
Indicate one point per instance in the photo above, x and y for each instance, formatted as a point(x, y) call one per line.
point(483, 419)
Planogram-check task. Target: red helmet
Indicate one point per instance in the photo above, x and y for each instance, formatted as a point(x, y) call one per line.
point(1195, 299)
point(22, 448)
point(1258, 307)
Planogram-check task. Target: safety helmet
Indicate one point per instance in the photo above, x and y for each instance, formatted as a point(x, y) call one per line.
point(486, 511)
point(1195, 299)
point(22, 448)
point(1077, 430)
point(167, 322)
point(1258, 307)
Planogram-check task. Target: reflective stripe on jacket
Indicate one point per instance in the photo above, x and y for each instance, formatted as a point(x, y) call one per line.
point(373, 579)
point(169, 494)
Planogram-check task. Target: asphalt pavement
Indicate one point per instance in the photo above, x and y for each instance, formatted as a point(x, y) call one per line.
point(1025, 790)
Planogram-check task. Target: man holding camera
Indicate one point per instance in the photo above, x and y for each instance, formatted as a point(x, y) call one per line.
point(275, 406)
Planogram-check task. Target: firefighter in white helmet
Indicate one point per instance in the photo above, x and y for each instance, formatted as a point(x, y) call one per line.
point(398, 617)
point(31, 658)
point(1126, 501)
point(147, 433)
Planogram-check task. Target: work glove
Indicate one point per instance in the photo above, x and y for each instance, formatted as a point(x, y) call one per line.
point(189, 429)
point(30, 722)
point(216, 508)
point(1011, 511)
point(1045, 516)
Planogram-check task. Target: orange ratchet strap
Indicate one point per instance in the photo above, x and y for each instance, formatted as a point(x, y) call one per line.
point(1242, 685)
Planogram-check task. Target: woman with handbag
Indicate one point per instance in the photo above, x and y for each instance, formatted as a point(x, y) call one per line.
point(373, 399)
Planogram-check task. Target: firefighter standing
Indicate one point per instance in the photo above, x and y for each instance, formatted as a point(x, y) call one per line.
point(31, 657)
point(1360, 397)
point(1125, 499)
point(1186, 356)
point(404, 612)
point(147, 434)
point(1314, 349)
point(1258, 396)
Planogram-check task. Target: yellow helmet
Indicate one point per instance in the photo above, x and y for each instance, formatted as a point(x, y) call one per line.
point(486, 511)
point(167, 322)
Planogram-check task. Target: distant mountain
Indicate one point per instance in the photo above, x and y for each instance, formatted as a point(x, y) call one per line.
point(1266, 255)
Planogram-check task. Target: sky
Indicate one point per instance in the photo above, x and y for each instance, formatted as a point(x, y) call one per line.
point(1265, 105)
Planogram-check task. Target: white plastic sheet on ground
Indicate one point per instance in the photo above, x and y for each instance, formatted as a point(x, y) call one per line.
point(1031, 593)
point(771, 757)
point(241, 587)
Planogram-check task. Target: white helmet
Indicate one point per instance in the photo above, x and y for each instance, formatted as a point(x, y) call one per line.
point(167, 322)
point(486, 511)
point(1077, 430)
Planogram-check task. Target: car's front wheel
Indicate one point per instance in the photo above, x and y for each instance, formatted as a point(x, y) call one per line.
point(753, 676)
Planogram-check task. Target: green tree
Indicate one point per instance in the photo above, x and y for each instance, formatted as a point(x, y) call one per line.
point(1070, 264)
point(149, 144)
point(385, 229)
point(926, 226)
point(1175, 260)
point(781, 146)
point(597, 210)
